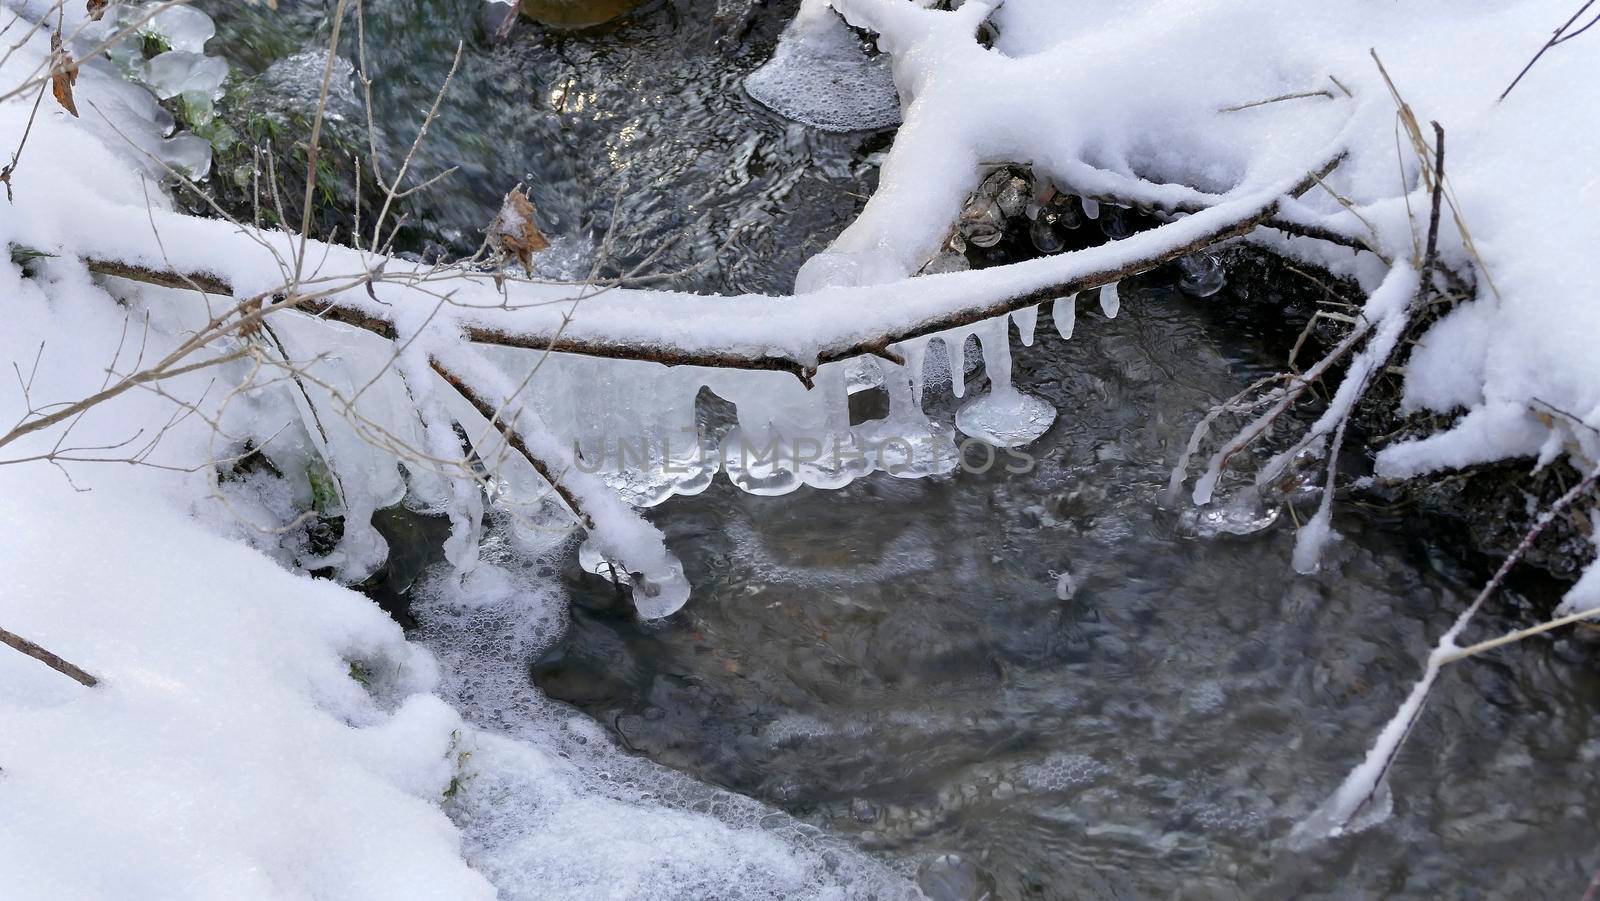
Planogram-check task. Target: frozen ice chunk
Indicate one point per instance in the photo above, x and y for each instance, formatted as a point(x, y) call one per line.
point(181, 27)
point(821, 76)
point(181, 71)
point(836, 268)
point(189, 154)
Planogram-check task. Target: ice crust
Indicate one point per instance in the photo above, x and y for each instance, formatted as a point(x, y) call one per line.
point(822, 77)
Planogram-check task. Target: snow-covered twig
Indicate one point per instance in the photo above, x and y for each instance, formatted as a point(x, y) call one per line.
point(794, 335)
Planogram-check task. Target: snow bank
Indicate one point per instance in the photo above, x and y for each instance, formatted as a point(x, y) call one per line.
point(227, 752)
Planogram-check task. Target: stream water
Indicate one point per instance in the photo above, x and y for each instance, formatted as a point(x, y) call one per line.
point(1035, 683)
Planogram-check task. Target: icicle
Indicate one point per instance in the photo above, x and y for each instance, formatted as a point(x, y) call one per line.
point(619, 533)
point(956, 344)
point(1027, 320)
point(1091, 207)
point(1110, 301)
point(756, 454)
point(915, 353)
point(826, 451)
point(633, 423)
point(1004, 417)
point(905, 444)
point(1064, 310)
point(994, 341)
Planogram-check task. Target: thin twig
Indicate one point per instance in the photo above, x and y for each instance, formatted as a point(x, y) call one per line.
point(1299, 95)
point(1556, 38)
point(13, 640)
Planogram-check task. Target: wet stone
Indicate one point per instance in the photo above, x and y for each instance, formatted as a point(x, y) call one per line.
point(951, 877)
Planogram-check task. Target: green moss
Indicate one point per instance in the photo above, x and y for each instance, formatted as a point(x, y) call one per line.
point(324, 490)
point(152, 45)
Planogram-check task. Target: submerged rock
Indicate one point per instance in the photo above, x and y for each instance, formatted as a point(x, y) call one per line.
point(951, 877)
point(575, 13)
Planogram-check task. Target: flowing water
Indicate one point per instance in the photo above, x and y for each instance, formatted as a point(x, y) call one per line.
point(642, 122)
point(894, 661)
point(1031, 679)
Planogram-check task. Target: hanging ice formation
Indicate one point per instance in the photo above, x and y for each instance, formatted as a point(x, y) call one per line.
point(635, 423)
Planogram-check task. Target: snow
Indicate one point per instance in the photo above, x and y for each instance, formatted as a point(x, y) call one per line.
point(227, 751)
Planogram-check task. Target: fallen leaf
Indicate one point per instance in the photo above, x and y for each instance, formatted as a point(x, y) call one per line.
point(63, 76)
point(97, 8)
point(514, 231)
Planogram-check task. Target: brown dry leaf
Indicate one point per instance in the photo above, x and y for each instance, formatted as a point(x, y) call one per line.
point(97, 8)
point(514, 231)
point(63, 76)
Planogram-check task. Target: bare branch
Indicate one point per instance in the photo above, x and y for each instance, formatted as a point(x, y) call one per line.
point(17, 642)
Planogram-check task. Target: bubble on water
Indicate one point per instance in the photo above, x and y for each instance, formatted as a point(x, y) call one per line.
point(1202, 274)
point(1060, 771)
point(1045, 236)
point(1205, 698)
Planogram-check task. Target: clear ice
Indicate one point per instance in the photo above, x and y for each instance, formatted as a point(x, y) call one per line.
point(1003, 417)
point(635, 424)
point(1110, 300)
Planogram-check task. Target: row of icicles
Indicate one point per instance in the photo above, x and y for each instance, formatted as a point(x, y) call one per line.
point(636, 424)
